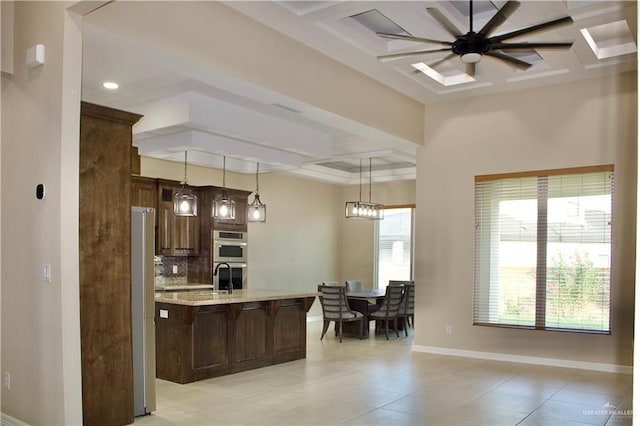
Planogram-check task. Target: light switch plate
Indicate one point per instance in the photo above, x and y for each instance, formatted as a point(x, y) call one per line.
point(164, 313)
point(46, 272)
point(35, 56)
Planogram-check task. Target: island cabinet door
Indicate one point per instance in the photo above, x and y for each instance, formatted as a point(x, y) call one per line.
point(249, 330)
point(191, 342)
point(290, 330)
point(172, 325)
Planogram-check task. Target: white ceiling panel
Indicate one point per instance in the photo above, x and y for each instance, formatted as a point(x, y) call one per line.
point(189, 106)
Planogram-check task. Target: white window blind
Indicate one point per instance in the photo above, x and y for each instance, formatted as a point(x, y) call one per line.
point(543, 249)
point(394, 246)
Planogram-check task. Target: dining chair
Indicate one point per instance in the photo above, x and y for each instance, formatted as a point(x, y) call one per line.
point(336, 308)
point(353, 285)
point(389, 309)
point(407, 307)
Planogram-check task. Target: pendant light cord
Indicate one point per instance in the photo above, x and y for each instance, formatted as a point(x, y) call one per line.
point(257, 171)
point(185, 168)
point(369, 179)
point(360, 196)
point(224, 171)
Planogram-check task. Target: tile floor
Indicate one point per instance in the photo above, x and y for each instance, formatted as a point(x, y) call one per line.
point(379, 382)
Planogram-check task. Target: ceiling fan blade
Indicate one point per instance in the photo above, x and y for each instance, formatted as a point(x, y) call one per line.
point(419, 52)
point(534, 45)
point(470, 69)
point(444, 22)
point(515, 62)
point(412, 38)
point(534, 28)
point(498, 19)
point(439, 61)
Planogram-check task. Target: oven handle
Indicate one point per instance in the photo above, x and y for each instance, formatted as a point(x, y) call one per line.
point(230, 243)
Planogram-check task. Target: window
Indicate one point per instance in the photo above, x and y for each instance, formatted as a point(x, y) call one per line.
point(394, 246)
point(543, 249)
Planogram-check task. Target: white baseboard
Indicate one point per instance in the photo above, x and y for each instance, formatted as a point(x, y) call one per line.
point(552, 362)
point(7, 420)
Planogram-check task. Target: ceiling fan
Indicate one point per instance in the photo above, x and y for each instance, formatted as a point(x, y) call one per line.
point(472, 46)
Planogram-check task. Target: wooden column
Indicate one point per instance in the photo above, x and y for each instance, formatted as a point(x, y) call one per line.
point(105, 265)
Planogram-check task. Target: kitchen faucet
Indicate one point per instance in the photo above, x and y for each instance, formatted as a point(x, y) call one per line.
point(215, 272)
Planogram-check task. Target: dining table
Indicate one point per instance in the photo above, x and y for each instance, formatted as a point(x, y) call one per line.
point(359, 301)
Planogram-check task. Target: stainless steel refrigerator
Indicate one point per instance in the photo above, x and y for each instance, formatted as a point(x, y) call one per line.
point(143, 309)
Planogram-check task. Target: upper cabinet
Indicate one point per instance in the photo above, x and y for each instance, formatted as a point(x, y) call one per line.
point(183, 235)
point(144, 192)
point(176, 235)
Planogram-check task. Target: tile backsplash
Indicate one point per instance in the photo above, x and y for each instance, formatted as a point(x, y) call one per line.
point(170, 269)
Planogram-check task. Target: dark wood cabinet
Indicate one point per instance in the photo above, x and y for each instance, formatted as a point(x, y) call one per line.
point(144, 192)
point(176, 235)
point(105, 265)
point(200, 342)
point(181, 235)
point(239, 223)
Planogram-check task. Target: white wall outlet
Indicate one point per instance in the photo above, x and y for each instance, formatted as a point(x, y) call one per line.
point(448, 329)
point(164, 313)
point(174, 268)
point(6, 381)
point(46, 272)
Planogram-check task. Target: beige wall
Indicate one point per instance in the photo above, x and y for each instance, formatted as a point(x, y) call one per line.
point(306, 239)
point(579, 124)
point(40, 122)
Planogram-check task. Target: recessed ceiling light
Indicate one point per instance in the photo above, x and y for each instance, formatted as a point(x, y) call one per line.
point(110, 85)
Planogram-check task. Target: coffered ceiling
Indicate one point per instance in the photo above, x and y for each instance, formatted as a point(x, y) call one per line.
point(210, 113)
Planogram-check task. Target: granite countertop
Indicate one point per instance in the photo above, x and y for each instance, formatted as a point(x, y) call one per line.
point(210, 297)
point(182, 287)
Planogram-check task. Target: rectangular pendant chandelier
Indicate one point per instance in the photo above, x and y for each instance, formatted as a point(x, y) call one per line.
point(363, 209)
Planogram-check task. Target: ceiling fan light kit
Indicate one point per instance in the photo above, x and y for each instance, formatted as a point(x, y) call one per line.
point(472, 46)
point(471, 58)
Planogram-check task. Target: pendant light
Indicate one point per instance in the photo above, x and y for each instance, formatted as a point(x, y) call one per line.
point(223, 206)
point(257, 212)
point(185, 202)
point(361, 209)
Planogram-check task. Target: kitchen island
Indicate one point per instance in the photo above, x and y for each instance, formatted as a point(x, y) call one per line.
point(204, 334)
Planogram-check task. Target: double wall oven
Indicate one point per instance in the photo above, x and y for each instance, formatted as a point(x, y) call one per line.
point(229, 247)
